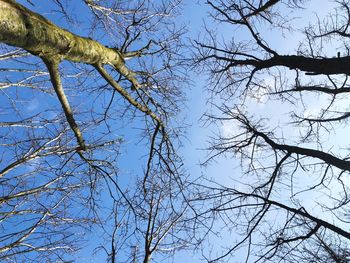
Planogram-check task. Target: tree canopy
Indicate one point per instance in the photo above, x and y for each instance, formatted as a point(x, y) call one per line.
point(292, 202)
point(92, 131)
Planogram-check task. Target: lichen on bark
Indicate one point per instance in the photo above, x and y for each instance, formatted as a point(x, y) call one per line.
point(23, 28)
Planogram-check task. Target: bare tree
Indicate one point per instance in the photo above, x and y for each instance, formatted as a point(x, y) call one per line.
point(158, 222)
point(293, 198)
point(62, 125)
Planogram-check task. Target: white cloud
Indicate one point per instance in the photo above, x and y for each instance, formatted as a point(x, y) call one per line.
point(229, 128)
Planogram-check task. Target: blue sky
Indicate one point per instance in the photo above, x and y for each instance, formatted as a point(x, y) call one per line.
point(223, 170)
point(132, 153)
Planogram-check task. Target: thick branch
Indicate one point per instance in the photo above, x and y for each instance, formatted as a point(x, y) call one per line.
point(127, 96)
point(338, 118)
point(23, 28)
point(312, 66)
point(315, 88)
point(303, 213)
point(326, 157)
point(263, 8)
point(52, 66)
point(342, 164)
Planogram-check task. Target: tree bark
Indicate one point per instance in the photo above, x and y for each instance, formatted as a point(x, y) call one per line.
point(312, 66)
point(23, 28)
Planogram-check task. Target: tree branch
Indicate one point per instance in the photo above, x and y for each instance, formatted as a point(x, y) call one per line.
point(52, 66)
